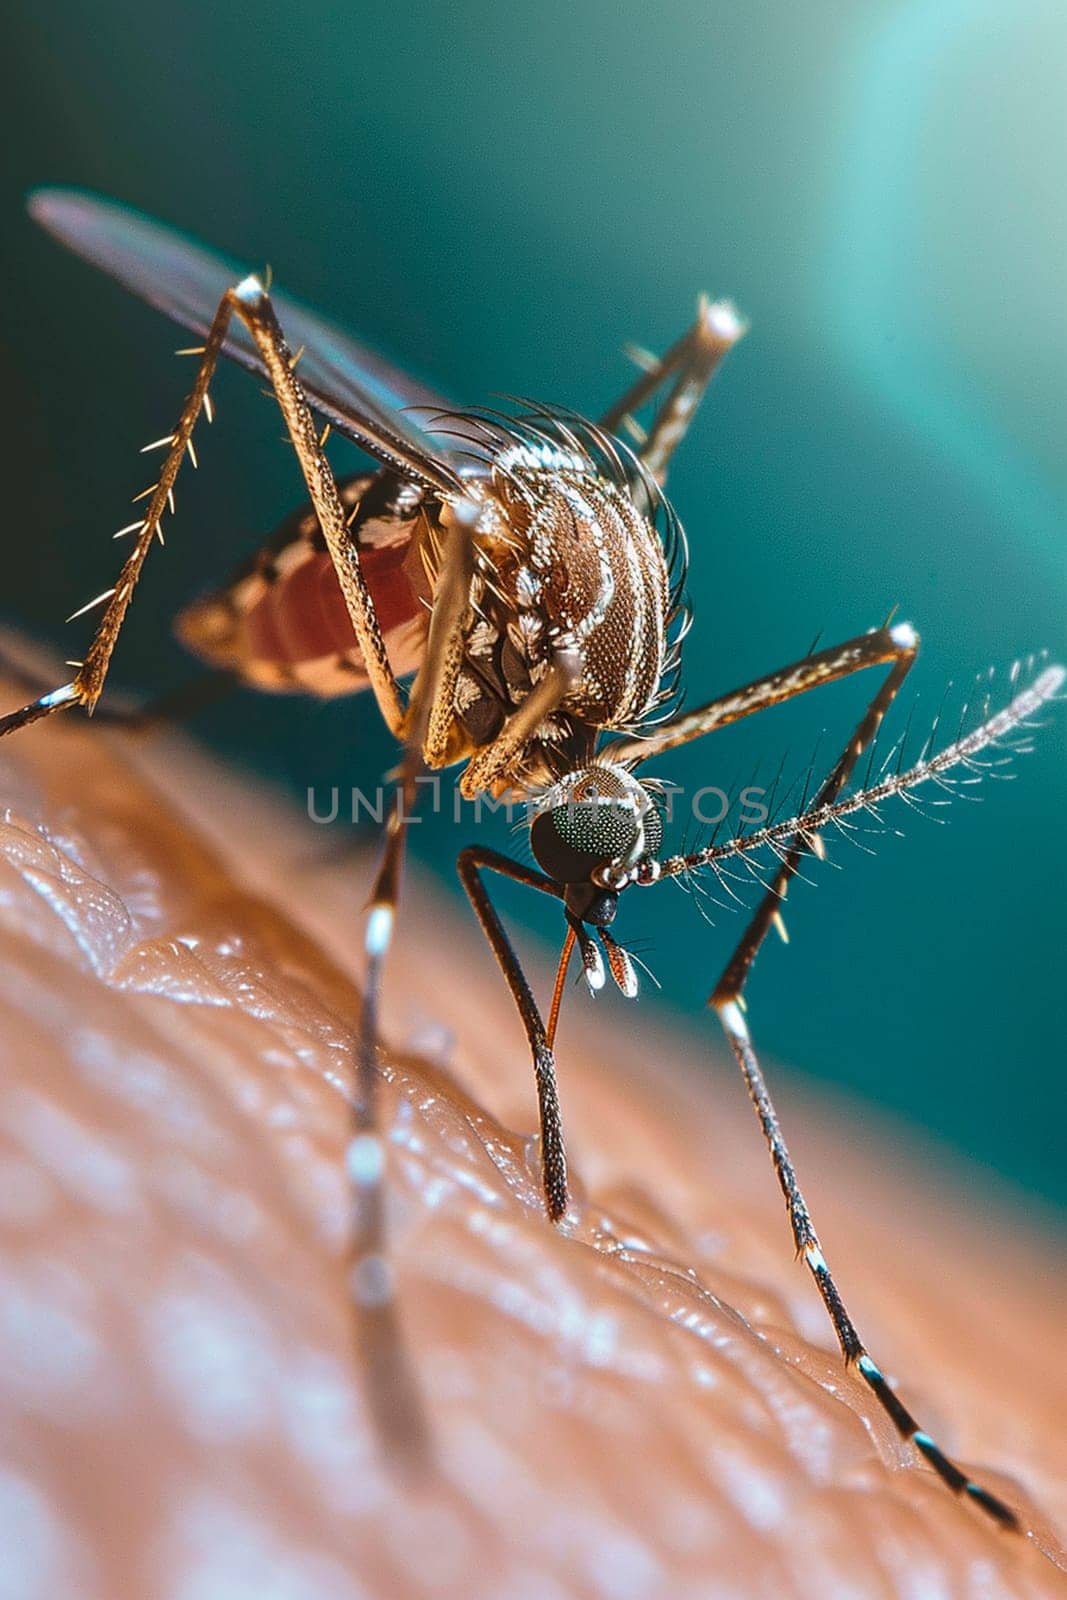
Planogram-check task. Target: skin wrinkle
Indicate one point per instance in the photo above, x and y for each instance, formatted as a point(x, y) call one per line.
point(647, 1403)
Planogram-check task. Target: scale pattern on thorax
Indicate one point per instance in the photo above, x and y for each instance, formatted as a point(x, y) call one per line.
point(566, 560)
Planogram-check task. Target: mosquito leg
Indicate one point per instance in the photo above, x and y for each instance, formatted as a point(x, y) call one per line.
point(89, 681)
point(430, 715)
point(425, 734)
point(430, 722)
point(807, 1243)
point(905, 646)
point(471, 864)
point(366, 1159)
point(691, 362)
point(392, 1391)
point(496, 761)
point(175, 705)
point(433, 685)
point(727, 999)
point(249, 302)
point(43, 706)
point(894, 646)
point(392, 1388)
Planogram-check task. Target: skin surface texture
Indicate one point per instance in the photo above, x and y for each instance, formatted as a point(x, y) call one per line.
point(646, 1402)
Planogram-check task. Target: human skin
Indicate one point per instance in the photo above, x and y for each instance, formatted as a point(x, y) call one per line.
point(644, 1402)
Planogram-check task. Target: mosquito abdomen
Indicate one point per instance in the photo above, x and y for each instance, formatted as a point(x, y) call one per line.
point(281, 623)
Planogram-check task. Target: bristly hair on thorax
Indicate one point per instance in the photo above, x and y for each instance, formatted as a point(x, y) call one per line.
point(540, 454)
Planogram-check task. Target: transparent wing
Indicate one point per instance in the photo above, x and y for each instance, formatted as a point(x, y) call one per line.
point(361, 395)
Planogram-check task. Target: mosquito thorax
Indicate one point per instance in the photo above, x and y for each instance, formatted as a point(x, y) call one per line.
point(594, 830)
point(578, 560)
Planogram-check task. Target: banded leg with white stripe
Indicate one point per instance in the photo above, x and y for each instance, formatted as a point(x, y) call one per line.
point(897, 647)
point(808, 1246)
point(392, 1389)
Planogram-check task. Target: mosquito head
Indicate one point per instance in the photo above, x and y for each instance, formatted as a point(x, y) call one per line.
point(595, 831)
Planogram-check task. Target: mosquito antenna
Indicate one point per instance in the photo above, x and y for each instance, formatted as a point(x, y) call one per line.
point(961, 753)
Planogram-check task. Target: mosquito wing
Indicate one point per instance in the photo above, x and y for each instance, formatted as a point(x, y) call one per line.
point(361, 395)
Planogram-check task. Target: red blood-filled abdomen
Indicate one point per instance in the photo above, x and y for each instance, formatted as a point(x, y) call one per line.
point(302, 615)
point(283, 623)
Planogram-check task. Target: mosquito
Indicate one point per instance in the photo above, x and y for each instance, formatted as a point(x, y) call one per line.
point(525, 572)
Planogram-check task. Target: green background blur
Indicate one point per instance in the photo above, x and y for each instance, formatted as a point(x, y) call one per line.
point(500, 197)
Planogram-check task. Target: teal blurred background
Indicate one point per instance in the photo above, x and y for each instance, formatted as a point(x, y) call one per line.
point(500, 197)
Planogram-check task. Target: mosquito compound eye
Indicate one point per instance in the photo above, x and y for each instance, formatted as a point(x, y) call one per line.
point(570, 841)
point(595, 819)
